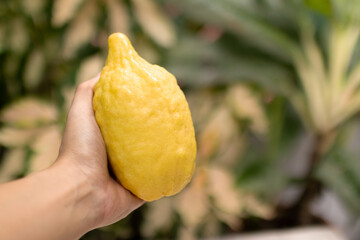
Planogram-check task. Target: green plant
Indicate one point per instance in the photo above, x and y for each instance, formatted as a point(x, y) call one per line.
point(257, 75)
point(53, 46)
point(305, 51)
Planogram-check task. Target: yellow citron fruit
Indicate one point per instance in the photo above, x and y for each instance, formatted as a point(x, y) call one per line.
point(145, 122)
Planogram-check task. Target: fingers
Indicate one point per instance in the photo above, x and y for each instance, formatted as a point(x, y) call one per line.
point(82, 102)
point(119, 203)
point(129, 201)
point(82, 134)
point(93, 81)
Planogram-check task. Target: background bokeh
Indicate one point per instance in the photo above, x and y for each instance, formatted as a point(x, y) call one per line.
point(273, 87)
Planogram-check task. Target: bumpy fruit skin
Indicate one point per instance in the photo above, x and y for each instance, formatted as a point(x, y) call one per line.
point(145, 122)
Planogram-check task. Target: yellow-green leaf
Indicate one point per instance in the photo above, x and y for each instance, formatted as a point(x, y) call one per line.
point(254, 206)
point(46, 149)
point(193, 204)
point(18, 38)
point(212, 227)
point(89, 68)
point(15, 137)
point(246, 105)
point(229, 219)
point(321, 6)
point(11, 67)
point(2, 38)
point(33, 7)
point(13, 164)
point(34, 69)
point(119, 20)
point(154, 22)
point(29, 112)
point(230, 152)
point(201, 103)
point(186, 233)
point(146, 50)
point(221, 187)
point(81, 30)
point(158, 217)
point(217, 133)
point(68, 94)
point(64, 10)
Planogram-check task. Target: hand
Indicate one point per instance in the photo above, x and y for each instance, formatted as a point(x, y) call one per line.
point(83, 150)
point(73, 196)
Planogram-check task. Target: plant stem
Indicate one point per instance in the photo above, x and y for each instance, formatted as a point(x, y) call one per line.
point(312, 187)
point(299, 214)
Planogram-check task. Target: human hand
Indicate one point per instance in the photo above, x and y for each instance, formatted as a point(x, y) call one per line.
point(74, 195)
point(83, 154)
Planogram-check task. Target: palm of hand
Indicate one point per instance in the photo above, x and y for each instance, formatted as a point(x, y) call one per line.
point(83, 148)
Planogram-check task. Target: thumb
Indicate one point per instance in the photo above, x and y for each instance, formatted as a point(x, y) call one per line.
point(81, 129)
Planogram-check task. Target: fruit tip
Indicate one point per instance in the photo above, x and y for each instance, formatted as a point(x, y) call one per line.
point(118, 36)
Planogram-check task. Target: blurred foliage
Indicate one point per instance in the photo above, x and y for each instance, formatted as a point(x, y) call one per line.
point(257, 75)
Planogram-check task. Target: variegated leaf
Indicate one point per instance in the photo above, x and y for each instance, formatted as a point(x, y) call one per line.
point(33, 7)
point(154, 22)
point(46, 149)
point(64, 10)
point(119, 20)
point(246, 105)
point(216, 133)
point(159, 217)
point(34, 69)
point(89, 68)
point(18, 38)
point(221, 187)
point(12, 164)
point(193, 203)
point(16, 137)
point(81, 30)
point(29, 112)
point(68, 94)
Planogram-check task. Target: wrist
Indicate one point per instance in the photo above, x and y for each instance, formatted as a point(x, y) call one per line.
point(76, 194)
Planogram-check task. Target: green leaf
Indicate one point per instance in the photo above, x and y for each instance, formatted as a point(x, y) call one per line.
point(321, 6)
point(235, 19)
point(341, 173)
point(198, 63)
point(347, 10)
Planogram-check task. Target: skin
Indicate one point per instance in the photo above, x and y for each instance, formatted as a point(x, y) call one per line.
point(74, 195)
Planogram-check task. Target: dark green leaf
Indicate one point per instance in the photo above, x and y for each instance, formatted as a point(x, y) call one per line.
point(198, 63)
point(340, 173)
point(230, 16)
